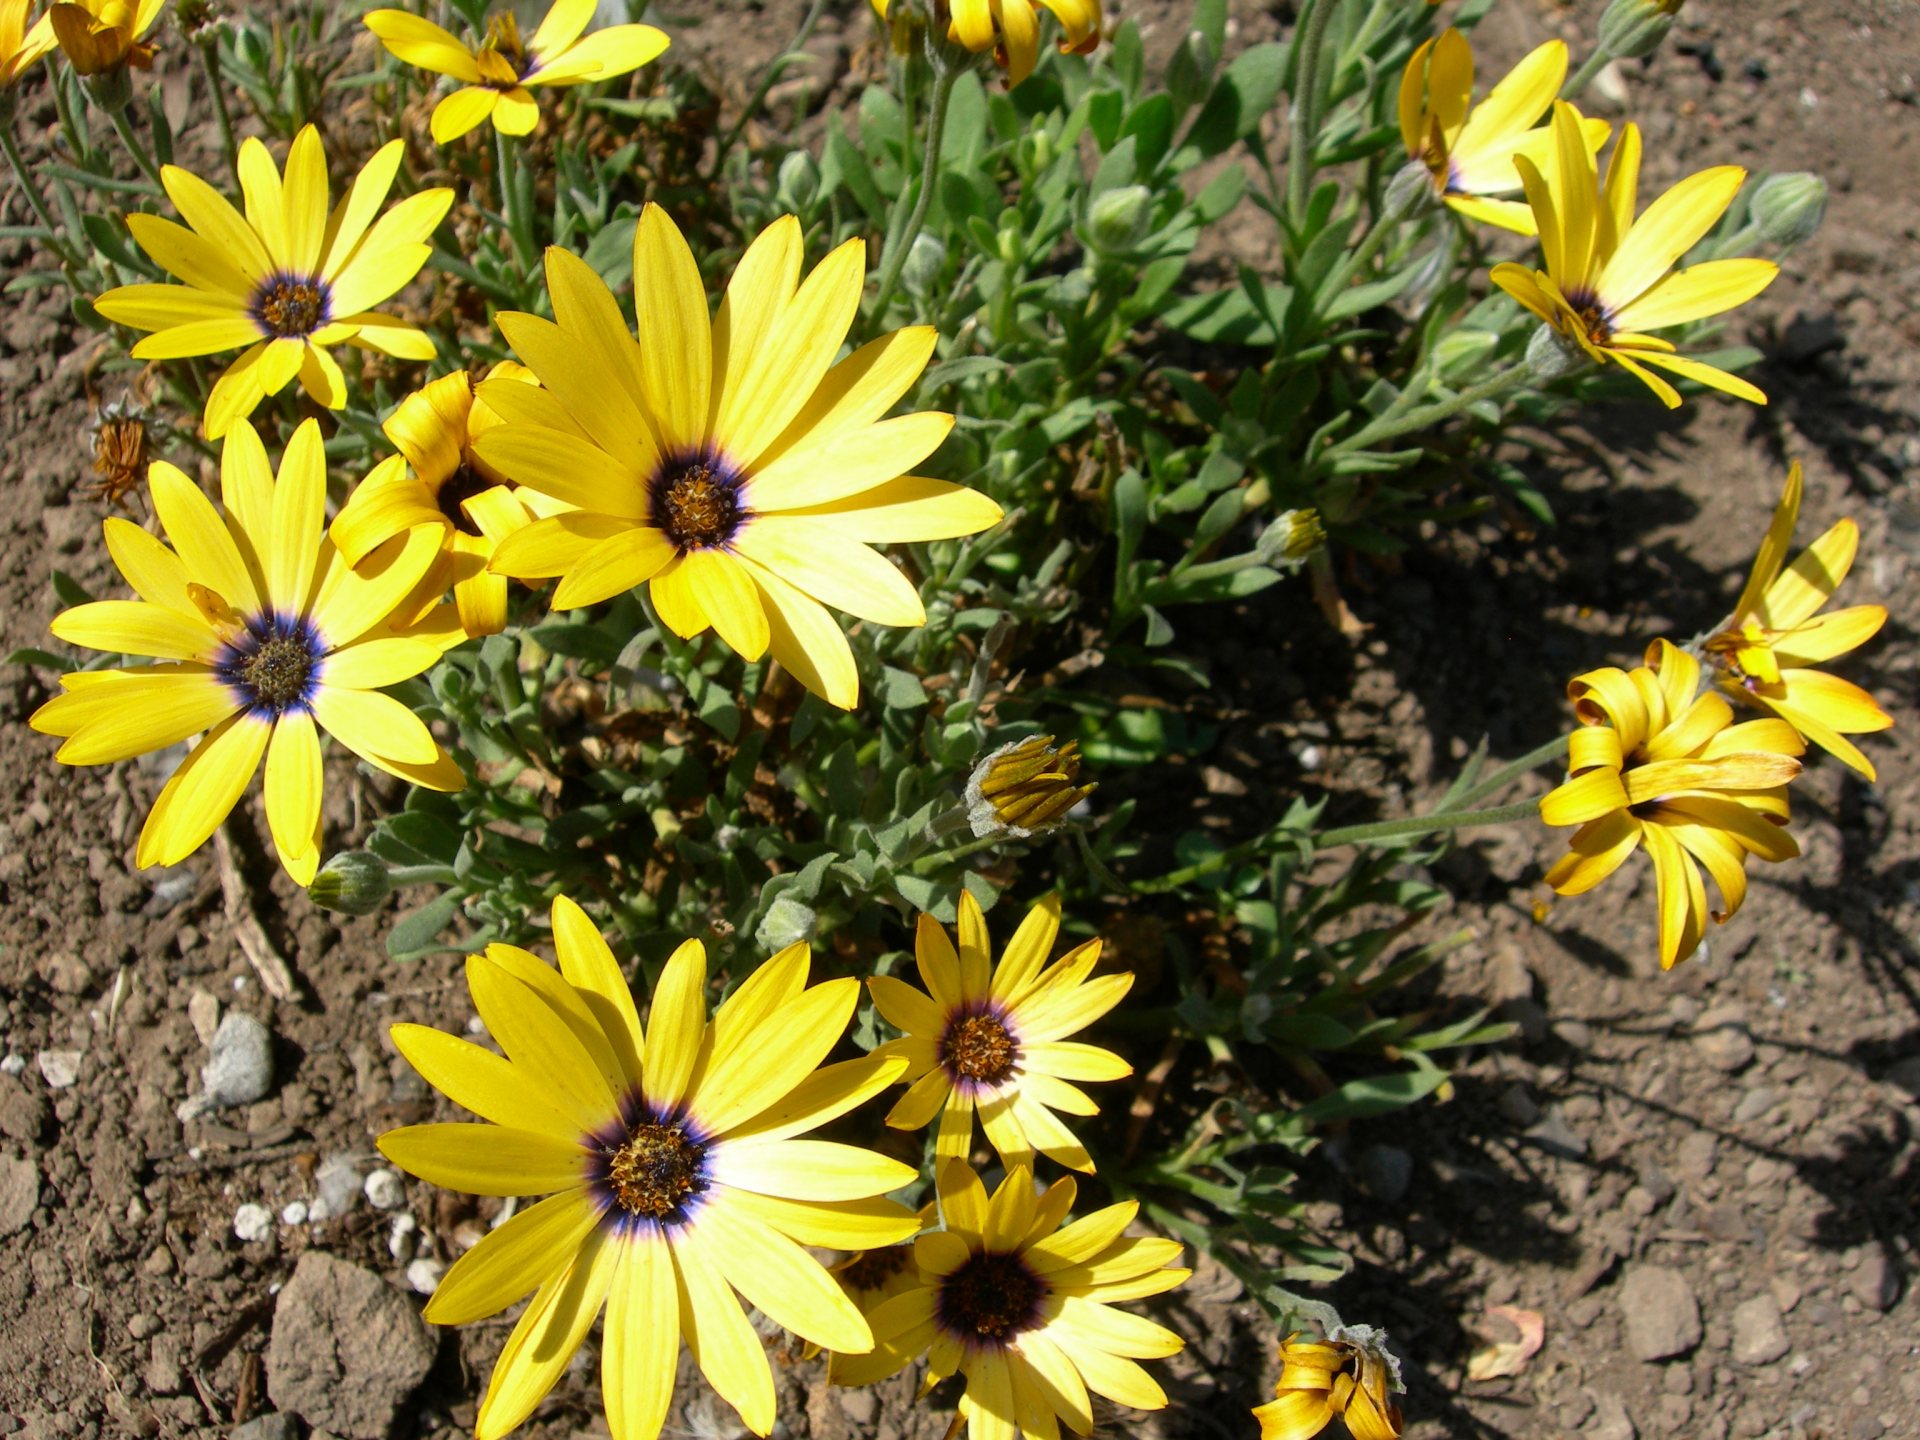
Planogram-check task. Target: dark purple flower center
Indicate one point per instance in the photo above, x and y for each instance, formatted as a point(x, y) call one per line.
point(694, 500)
point(273, 664)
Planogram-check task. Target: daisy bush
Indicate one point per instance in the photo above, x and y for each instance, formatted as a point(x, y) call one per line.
point(759, 555)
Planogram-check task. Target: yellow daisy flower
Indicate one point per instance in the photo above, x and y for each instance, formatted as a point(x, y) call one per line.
point(1775, 633)
point(676, 1174)
point(1469, 149)
point(266, 636)
point(1607, 279)
point(102, 35)
point(991, 1038)
point(1351, 1376)
point(446, 485)
point(287, 281)
point(1024, 1308)
point(1011, 29)
point(19, 47)
point(497, 78)
point(730, 464)
point(1658, 764)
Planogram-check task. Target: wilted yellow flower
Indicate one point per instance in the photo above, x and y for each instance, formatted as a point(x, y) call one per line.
point(448, 485)
point(1659, 764)
point(1607, 278)
point(1469, 149)
point(103, 35)
point(1024, 1308)
point(1025, 787)
point(287, 280)
point(992, 1038)
point(497, 76)
point(1011, 29)
point(1775, 633)
point(1351, 1375)
point(264, 636)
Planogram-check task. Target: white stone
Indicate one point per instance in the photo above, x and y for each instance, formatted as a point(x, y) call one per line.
point(401, 1235)
point(295, 1213)
point(424, 1275)
point(252, 1222)
point(385, 1190)
point(60, 1068)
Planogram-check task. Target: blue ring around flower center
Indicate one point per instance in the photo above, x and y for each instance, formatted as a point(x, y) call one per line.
point(287, 306)
point(694, 499)
point(650, 1170)
point(274, 665)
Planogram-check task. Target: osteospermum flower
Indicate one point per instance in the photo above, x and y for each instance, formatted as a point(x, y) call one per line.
point(1025, 787)
point(498, 76)
point(1657, 764)
point(676, 1169)
point(266, 637)
point(1469, 149)
point(99, 36)
point(1011, 29)
point(1607, 278)
point(444, 484)
point(287, 281)
point(730, 465)
point(1024, 1308)
point(991, 1038)
point(1776, 632)
point(1351, 1376)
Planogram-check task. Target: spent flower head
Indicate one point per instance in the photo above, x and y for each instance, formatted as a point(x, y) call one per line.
point(1656, 763)
point(674, 1165)
point(1025, 787)
point(1025, 1307)
point(265, 637)
point(1764, 652)
point(288, 280)
point(1010, 29)
point(1351, 1376)
point(498, 75)
point(727, 463)
point(991, 1038)
point(1610, 276)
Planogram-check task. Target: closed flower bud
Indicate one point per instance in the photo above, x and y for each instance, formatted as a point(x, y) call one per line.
point(798, 182)
point(111, 89)
point(1291, 538)
point(924, 264)
point(1025, 788)
point(1789, 208)
point(354, 882)
point(1550, 355)
point(1117, 221)
point(1632, 28)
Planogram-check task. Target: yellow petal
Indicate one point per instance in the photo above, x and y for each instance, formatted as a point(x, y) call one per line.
point(370, 724)
point(590, 318)
point(629, 557)
point(1773, 548)
point(1809, 582)
point(133, 627)
point(592, 971)
point(906, 510)
point(293, 791)
point(478, 1080)
point(487, 1159)
point(1826, 636)
point(641, 1340)
point(510, 1262)
point(606, 413)
point(347, 226)
point(1583, 798)
point(1512, 106)
point(1410, 107)
point(1668, 228)
point(543, 1343)
point(1597, 849)
point(745, 1079)
point(1682, 897)
point(783, 1281)
point(206, 787)
point(420, 42)
point(827, 1094)
point(676, 1025)
point(730, 1354)
point(807, 640)
point(811, 555)
point(724, 593)
point(213, 218)
point(676, 367)
point(1697, 292)
point(461, 111)
point(858, 391)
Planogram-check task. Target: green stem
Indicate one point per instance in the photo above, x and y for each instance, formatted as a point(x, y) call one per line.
point(123, 127)
point(1508, 773)
point(37, 200)
point(772, 73)
point(1425, 824)
point(1427, 416)
point(1581, 78)
point(1368, 247)
point(900, 237)
point(519, 223)
point(934, 861)
point(1303, 116)
point(78, 140)
point(210, 68)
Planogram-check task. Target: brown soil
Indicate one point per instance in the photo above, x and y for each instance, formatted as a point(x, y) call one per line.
point(1628, 1130)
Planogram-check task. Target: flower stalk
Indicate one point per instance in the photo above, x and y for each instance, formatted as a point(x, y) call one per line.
point(901, 234)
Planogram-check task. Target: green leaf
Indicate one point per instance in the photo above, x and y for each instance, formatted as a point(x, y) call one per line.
point(1230, 316)
point(901, 689)
point(1372, 1095)
point(42, 658)
point(1220, 195)
point(720, 711)
point(1240, 100)
point(69, 590)
point(961, 369)
point(417, 932)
